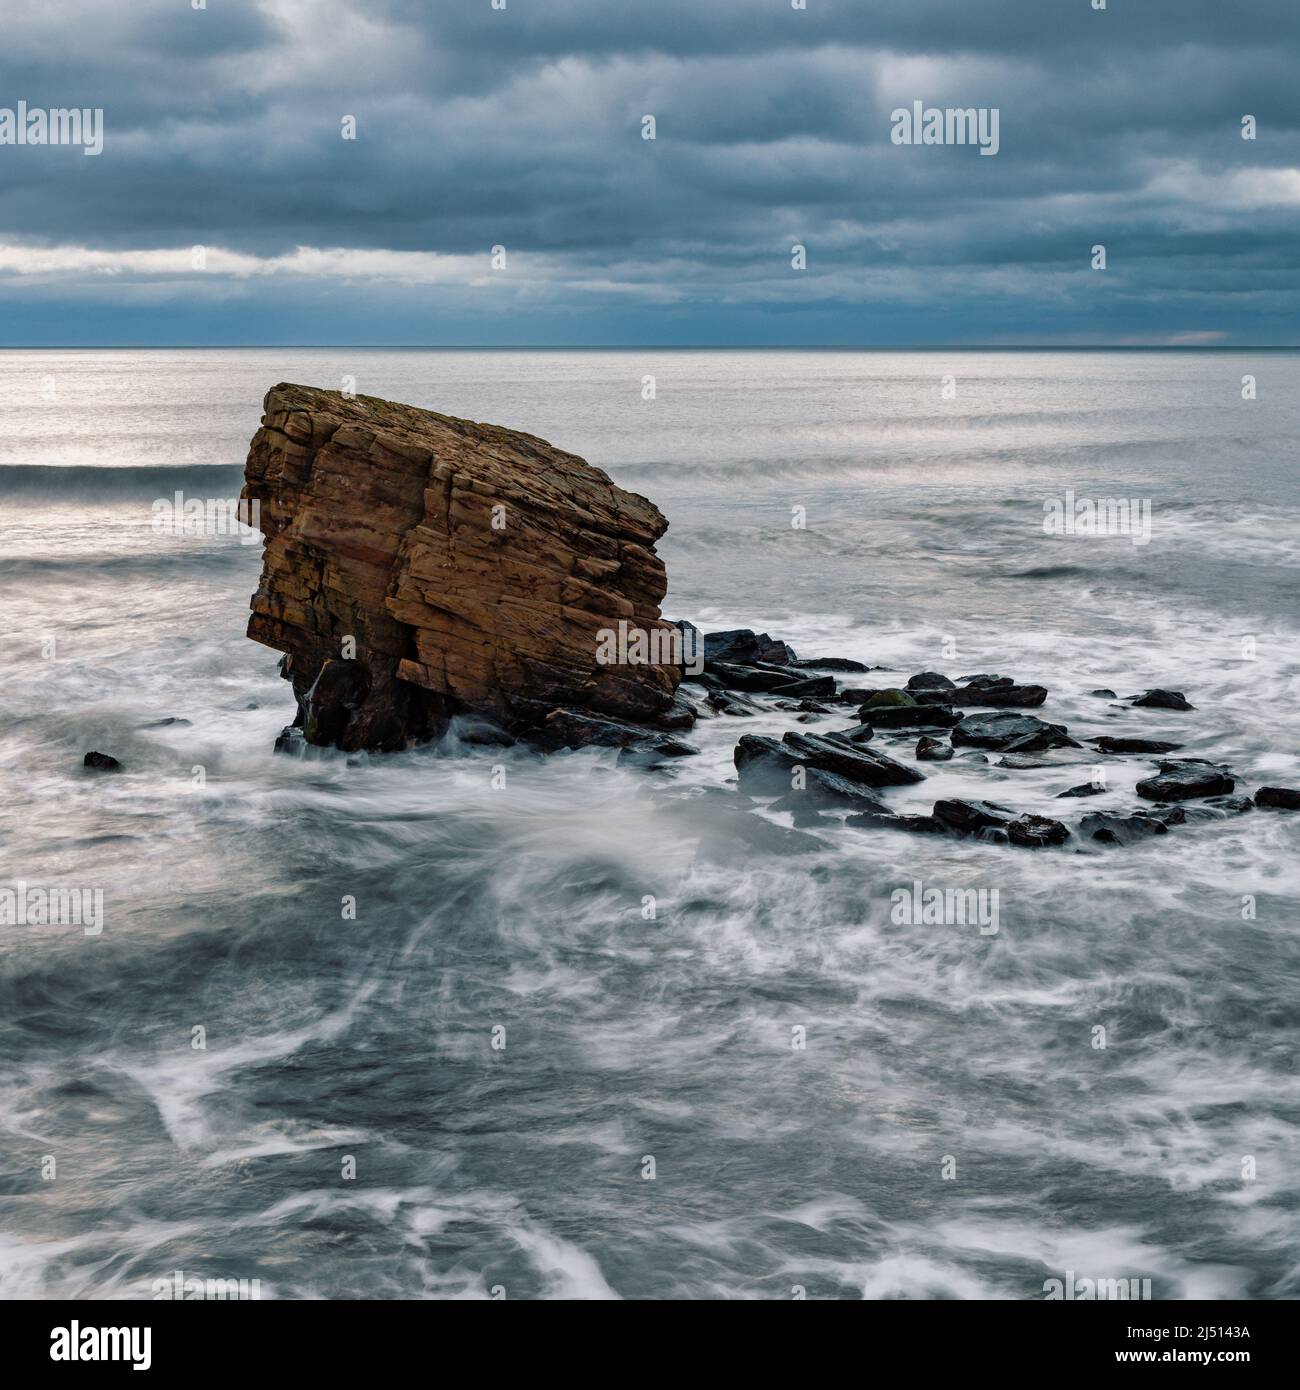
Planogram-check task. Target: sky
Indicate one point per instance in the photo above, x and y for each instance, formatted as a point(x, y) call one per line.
point(480, 127)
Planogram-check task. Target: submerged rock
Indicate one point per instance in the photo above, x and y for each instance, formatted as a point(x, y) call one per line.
point(1021, 733)
point(1163, 699)
point(1280, 798)
point(814, 686)
point(822, 789)
point(911, 716)
point(1103, 694)
point(101, 762)
point(445, 566)
point(1181, 781)
point(988, 820)
point(828, 663)
point(932, 750)
point(758, 679)
point(1107, 744)
point(1008, 696)
point(570, 728)
point(1111, 829)
point(1083, 789)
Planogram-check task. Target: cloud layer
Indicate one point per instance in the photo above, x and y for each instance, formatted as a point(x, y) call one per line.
point(522, 128)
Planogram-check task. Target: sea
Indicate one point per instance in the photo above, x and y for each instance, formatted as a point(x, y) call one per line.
point(467, 1022)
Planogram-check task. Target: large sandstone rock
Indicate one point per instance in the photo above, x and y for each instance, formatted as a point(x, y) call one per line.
point(474, 568)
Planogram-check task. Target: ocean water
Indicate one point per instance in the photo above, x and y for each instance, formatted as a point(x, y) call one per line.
point(949, 1128)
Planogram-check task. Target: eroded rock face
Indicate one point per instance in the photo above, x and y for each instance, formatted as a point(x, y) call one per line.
point(473, 567)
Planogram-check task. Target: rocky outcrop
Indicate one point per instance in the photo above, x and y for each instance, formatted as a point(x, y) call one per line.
point(418, 566)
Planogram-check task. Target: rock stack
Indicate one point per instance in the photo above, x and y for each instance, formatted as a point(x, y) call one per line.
point(419, 566)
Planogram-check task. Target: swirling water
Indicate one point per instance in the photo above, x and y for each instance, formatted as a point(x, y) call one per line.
point(950, 1127)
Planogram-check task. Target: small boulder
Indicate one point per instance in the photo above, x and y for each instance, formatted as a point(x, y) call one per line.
point(911, 716)
point(101, 762)
point(859, 763)
point(829, 663)
point(1107, 744)
point(1103, 694)
point(930, 680)
point(1006, 696)
point(932, 750)
point(1083, 789)
point(827, 790)
point(818, 687)
point(1020, 733)
point(1163, 699)
point(1109, 829)
point(1280, 798)
point(1181, 781)
point(742, 646)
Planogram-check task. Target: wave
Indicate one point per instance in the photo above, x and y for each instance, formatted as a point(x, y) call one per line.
point(87, 483)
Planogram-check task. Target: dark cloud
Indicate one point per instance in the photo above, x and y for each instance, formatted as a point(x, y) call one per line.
point(522, 127)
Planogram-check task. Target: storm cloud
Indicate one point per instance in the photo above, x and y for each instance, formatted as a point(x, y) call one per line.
point(522, 128)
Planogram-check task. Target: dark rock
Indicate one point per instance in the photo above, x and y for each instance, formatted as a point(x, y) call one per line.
point(829, 663)
point(971, 756)
point(1163, 699)
point(680, 714)
point(172, 721)
point(917, 825)
point(1107, 744)
point(1282, 798)
point(817, 686)
point(101, 762)
point(987, 820)
point(753, 678)
point(1103, 694)
point(1005, 696)
point(891, 697)
point(481, 732)
point(1021, 762)
point(571, 728)
point(1037, 832)
point(290, 740)
point(743, 647)
point(932, 750)
point(1083, 789)
point(1214, 808)
point(1021, 733)
point(973, 817)
point(1111, 829)
point(910, 716)
point(856, 695)
point(983, 681)
point(1178, 782)
point(858, 762)
point(929, 680)
point(934, 697)
point(859, 733)
point(737, 706)
point(822, 789)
